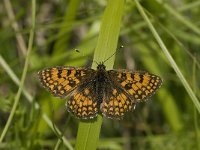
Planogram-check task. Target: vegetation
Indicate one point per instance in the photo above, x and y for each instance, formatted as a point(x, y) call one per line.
point(160, 37)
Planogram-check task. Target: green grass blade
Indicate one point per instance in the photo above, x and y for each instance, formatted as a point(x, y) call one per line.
point(69, 18)
point(88, 132)
point(17, 97)
point(29, 97)
point(179, 17)
point(169, 57)
point(165, 98)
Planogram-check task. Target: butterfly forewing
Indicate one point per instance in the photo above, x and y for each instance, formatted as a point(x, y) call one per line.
point(60, 81)
point(139, 85)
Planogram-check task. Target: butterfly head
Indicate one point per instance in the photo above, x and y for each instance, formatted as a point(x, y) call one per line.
point(101, 66)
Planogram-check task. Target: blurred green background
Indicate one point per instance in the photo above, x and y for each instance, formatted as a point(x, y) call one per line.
point(169, 120)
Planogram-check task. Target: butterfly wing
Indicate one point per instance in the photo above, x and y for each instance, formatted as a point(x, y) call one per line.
point(60, 81)
point(116, 102)
point(125, 90)
point(83, 101)
point(139, 85)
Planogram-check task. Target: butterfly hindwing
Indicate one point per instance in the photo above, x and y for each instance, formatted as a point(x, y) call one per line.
point(139, 85)
point(83, 102)
point(60, 81)
point(116, 102)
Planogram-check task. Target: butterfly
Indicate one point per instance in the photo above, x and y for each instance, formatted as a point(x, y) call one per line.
point(112, 92)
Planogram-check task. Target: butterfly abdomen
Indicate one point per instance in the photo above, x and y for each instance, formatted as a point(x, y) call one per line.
point(100, 84)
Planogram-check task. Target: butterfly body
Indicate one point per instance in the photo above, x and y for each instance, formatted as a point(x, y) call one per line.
point(112, 92)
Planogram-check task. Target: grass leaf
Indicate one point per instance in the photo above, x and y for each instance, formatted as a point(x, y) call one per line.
point(88, 132)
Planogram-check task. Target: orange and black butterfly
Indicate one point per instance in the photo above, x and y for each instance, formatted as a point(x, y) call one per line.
point(112, 92)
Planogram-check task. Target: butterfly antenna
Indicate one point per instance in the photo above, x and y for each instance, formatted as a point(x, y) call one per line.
point(95, 62)
point(114, 53)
